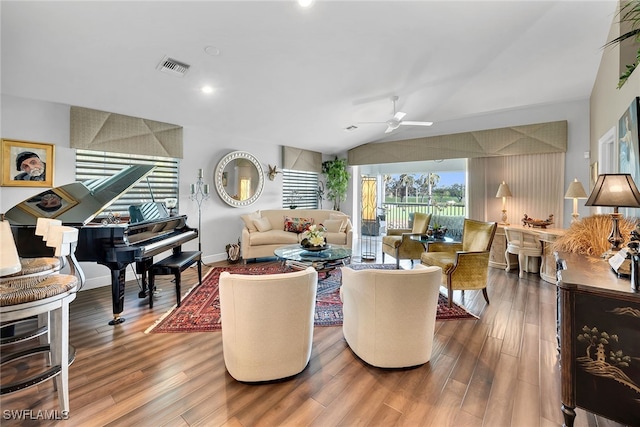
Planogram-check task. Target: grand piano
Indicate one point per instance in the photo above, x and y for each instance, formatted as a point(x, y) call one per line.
point(107, 242)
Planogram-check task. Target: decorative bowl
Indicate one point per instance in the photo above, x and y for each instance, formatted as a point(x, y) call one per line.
point(315, 248)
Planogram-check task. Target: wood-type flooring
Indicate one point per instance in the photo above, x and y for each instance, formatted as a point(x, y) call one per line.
point(499, 370)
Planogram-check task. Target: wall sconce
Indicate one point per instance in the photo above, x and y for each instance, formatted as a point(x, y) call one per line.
point(504, 192)
point(615, 190)
point(273, 171)
point(575, 192)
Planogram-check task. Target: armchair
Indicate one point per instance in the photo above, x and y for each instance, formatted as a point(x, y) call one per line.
point(267, 323)
point(398, 242)
point(465, 264)
point(390, 315)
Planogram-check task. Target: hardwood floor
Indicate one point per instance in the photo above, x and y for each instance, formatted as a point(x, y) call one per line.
point(498, 370)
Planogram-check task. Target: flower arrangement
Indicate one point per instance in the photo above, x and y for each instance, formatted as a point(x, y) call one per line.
point(314, 236)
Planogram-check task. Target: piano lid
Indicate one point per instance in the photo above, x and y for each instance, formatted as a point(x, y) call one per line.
point(80, 202)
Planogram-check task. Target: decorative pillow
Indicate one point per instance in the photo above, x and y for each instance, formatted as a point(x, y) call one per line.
point(333, 225)
point(342, 217)
point(248, 220)
point(297, 225)
point(263, 224)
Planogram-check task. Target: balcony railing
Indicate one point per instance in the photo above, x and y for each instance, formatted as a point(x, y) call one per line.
point(400, 215)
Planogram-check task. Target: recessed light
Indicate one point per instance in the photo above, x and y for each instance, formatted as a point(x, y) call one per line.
point(207, 89)
point(212, 50)
point(305, 3)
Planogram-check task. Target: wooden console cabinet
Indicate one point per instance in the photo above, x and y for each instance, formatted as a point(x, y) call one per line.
point(599, 320)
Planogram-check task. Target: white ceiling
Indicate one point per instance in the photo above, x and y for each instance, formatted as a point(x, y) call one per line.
point(298, 77)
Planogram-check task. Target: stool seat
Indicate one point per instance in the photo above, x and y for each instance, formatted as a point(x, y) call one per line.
point(33, 266)
point(23, 290)
point(174, 265)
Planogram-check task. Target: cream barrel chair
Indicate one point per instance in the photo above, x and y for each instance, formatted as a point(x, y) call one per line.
point(267, 323)
point(390, 315)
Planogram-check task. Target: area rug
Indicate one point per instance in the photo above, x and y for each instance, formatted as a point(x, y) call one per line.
point(200, 308)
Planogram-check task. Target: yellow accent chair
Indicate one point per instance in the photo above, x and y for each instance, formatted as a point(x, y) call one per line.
point(465, 264)
point(398, 242)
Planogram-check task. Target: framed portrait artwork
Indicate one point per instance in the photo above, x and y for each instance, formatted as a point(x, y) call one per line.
point(27, 164)
point(629, 142)
point(49, 204)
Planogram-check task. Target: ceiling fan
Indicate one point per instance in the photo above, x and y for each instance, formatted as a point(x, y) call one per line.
point(396, 121)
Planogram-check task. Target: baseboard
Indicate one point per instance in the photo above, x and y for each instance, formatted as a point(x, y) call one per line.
point(100, 281)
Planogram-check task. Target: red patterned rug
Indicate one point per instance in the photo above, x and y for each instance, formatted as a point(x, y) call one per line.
point(200, 308)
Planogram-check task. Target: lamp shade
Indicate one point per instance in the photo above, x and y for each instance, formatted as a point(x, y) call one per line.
point(503, 190)
point(575, 191)
point(616, 190)
point(9, 259)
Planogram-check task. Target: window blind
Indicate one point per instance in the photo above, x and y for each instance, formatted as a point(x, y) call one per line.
point(161, 184)
point(299, 189)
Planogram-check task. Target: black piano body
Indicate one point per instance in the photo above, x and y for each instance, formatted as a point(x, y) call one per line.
point(114, 245)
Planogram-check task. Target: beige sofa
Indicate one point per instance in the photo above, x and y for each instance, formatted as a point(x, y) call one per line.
point(265, 231)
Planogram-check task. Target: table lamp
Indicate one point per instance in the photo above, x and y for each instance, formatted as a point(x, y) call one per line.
point(615, 190)
point(504, 192)
point(575, 192)
point(9, 259)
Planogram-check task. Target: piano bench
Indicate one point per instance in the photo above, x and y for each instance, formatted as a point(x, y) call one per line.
point(174, 265)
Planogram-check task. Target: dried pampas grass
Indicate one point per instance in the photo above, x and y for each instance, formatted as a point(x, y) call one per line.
point(588, 236)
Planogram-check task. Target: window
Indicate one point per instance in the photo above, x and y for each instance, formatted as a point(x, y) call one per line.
point(161, 184)
point(299, 189)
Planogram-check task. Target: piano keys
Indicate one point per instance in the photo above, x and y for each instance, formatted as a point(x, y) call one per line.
point(114, 245)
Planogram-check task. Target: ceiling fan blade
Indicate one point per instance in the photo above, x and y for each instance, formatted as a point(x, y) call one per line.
point(390, 129)
point(399, 116)
point(371, 123)
point(416, 123)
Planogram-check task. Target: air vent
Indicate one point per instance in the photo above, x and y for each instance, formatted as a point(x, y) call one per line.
point(173, 67)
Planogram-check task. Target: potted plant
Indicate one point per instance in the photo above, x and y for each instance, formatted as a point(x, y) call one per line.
point(337, 180)
point(629, 13)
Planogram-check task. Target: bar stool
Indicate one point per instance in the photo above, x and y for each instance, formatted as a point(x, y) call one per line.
point(47, 298)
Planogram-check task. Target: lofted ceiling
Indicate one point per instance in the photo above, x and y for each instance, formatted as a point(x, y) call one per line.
point(286, 75)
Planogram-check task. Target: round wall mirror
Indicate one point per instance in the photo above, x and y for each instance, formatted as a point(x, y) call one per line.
point(239, 179)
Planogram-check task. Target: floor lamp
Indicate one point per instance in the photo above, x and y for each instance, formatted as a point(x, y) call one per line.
point(199, 193)
point(615, 190)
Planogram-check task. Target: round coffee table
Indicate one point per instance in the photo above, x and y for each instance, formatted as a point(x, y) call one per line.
point(323, 261)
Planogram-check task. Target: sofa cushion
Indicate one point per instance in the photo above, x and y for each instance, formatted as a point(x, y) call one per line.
point(273, 237)
point(335, 225)
point(336, 238)
point(263, 224)
point(248, 220)
point(297, 225)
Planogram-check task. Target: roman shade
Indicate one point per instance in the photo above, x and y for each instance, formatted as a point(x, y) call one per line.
point(538, 138)
point(116, 133)
point(301, 160)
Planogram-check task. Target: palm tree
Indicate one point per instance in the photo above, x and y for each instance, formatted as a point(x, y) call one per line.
point(433, 181)
point(629, 12)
